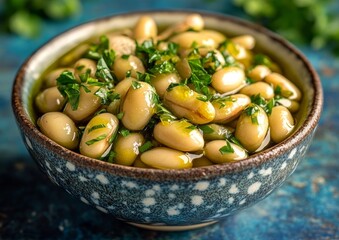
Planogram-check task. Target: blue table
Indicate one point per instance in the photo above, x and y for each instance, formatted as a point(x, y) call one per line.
point(31, 207)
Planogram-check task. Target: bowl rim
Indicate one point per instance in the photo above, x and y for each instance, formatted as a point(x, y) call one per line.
point(254, 160)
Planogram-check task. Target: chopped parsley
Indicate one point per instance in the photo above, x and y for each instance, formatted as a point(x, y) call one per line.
point(120, 115)
point(261, 59)
point(222, 101)
point(226, 149)
point(96, 127)
point(146, 146)
point(125, 56)
point(263, 103)
point(252, 110)
point(97, 139)
point(124, 132)
point(69, 87)
point(199, 77)
point(206, 129)
point(136, 85)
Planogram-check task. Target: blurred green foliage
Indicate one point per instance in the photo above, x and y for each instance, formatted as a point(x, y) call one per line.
point(25, 17)
point(314, 22)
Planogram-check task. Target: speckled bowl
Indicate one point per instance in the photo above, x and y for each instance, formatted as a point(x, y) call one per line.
point(171, 199)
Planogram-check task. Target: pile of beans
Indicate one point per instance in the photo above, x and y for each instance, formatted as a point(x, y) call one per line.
point(184, 97)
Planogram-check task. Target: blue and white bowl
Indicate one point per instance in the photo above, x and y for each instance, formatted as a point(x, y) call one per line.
point(170, 199)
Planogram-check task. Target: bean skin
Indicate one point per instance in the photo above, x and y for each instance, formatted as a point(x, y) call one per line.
point(166, 158)
point(126, 148)
point(98, 134)
point(230, 107)
point(246, 41)
point(60, 128)
point(122, 66)
point(180, 135)
point(259, 72)
point(138, 106)
point(252, 129)
point(212, 152)
point(145, 28)
point(264, 89)
point(281, 123)
point(50, 100)
point(288, 89)
point(162, 81)
point(228, 79)
point(184, 102)
point(88, 105)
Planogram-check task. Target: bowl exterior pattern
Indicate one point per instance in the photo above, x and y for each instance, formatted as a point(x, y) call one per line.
point(175, 202)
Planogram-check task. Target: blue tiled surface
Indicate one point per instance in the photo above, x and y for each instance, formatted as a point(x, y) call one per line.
point(31, 207)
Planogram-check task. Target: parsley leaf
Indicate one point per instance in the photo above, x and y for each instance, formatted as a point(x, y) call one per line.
point(69, 87)
point(136, 85)
point(97, 139)
point(206, 129)
point(96, 51)
point(146, 146)
point(252, 110)
point(124, 132)
point(96, 127)
point(199, 77)
point(226, 149)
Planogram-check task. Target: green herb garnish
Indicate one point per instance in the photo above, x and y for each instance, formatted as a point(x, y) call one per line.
point(96, 127)
point(136, 85)
point(69, 87)
point(226, 149)
point(124, 132)
point(199, 77)
point(252, 111)
point(146, 146)
point(206, 129)
point(97, 139)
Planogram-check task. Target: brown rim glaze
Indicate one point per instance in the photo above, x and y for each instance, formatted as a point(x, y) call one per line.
point(177, 175)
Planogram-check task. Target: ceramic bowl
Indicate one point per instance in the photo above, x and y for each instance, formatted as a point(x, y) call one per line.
point(169, 199)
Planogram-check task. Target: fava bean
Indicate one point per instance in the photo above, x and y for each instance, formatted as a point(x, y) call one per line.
point(246, 41)
point(201, 162)
point(127, 64)
point(88, 105)
point(138, 163)
point(121, 88)
point(287, 88)
point(228, 79)
point(214, 151)
point(145, 28)
point(258, 88)
point(180, 135)
point(60, 128)
point(183, 68)
point(230, 107)
point(259, 72)
point(162, 81)
point(122, 45)
point(138, 106)
point(192, 21)
point(84, 66)
point(50, 80)
point(166, 158)
point(291, 105)
point(50, 100)
point(98, 135)
point(214, 131)
point(281, 123)
point(252, 127)
point(206, 38)
point(184, 102)
point(126, 148)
